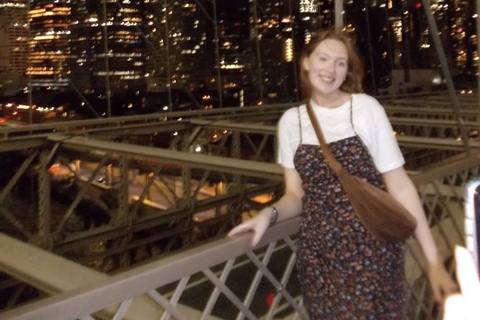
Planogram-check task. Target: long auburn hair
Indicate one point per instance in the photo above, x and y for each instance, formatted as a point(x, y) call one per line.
point(353, 81)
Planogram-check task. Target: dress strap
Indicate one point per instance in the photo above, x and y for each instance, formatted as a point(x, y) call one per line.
point(300, 125)
point(351, 115)
point(353, 126)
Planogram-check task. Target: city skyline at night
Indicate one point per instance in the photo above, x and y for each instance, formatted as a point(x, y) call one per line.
point(244, 48)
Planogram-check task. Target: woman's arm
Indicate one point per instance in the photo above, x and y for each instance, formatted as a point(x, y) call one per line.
point(288, 206)
point(401, 187)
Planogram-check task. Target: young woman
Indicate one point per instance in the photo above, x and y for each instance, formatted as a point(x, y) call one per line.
point(344, 272)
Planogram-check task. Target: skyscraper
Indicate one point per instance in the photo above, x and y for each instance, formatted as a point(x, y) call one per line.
point(368, 21)
point(13, 45)
point(412, 45)
point(235, 53)
point(49, 43)
point(179, 49)
point(464, 38)
point(107, 45)
point(275, 41)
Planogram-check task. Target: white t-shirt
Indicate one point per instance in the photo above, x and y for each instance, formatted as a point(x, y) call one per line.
point(370, 122)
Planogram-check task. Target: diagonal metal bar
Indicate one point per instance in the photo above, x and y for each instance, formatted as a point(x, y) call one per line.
point(250, 142)
point(216, 292)
point(284, 281)
point(169, 308)
point(449, 213)
point(147, 187)
point(18, 174)
point(261, 147)
point(12, 300)
point(16, 223)
point(277, 284)
point(228, 293)
point(122, 309)
point(79, 197)
point(258, 277)
point(419, 296)
point(200, 184)
point(175, 297)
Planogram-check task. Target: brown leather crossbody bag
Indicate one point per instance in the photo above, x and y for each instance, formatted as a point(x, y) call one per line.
point(381, 214)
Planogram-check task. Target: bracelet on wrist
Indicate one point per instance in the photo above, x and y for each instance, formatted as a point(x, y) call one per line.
point(274, 217)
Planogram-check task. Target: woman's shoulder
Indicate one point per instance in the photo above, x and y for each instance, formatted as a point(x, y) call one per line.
point(367, 103)
point(365, 98)
point(291, 114)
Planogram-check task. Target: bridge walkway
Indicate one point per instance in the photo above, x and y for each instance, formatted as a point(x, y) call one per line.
point(163, 285)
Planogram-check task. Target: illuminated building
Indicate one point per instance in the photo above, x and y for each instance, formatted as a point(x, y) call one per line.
point(13, 45)
point(308, 15)
point(308, 6)
point(49, 43)
point(368, 20)
point(236, 58)
point(411, 39)
point(106, 39)
point(180, 48)
point(233, 32)
point(326, 15)
point(157, 69)
point(278, 41)
point(464, 38)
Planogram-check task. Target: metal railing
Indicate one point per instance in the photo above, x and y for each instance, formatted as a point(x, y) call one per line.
point(227, 279)
point(422, 116)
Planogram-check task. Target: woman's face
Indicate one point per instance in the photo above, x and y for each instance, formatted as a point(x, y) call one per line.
point(327, 67)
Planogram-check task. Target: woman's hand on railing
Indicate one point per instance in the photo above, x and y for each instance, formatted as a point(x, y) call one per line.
point(441, 282)
point(464, 305)
point(257, 224)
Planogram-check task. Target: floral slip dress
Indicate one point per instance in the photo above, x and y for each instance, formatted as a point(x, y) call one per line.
point(343, 271)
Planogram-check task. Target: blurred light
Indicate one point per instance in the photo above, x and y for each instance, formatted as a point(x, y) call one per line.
point(437, 80)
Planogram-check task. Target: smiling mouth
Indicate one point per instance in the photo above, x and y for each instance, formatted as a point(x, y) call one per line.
point(327, 79)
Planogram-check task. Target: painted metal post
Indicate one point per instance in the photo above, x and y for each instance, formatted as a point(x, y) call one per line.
point(477, 18)
point(106, 58)
point(446, 72)
point(339, 14)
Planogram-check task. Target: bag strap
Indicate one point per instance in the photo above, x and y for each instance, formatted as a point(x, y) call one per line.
point(300, 125)
point(334, 164)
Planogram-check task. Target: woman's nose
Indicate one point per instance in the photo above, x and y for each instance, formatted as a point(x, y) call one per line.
point(330, 67)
